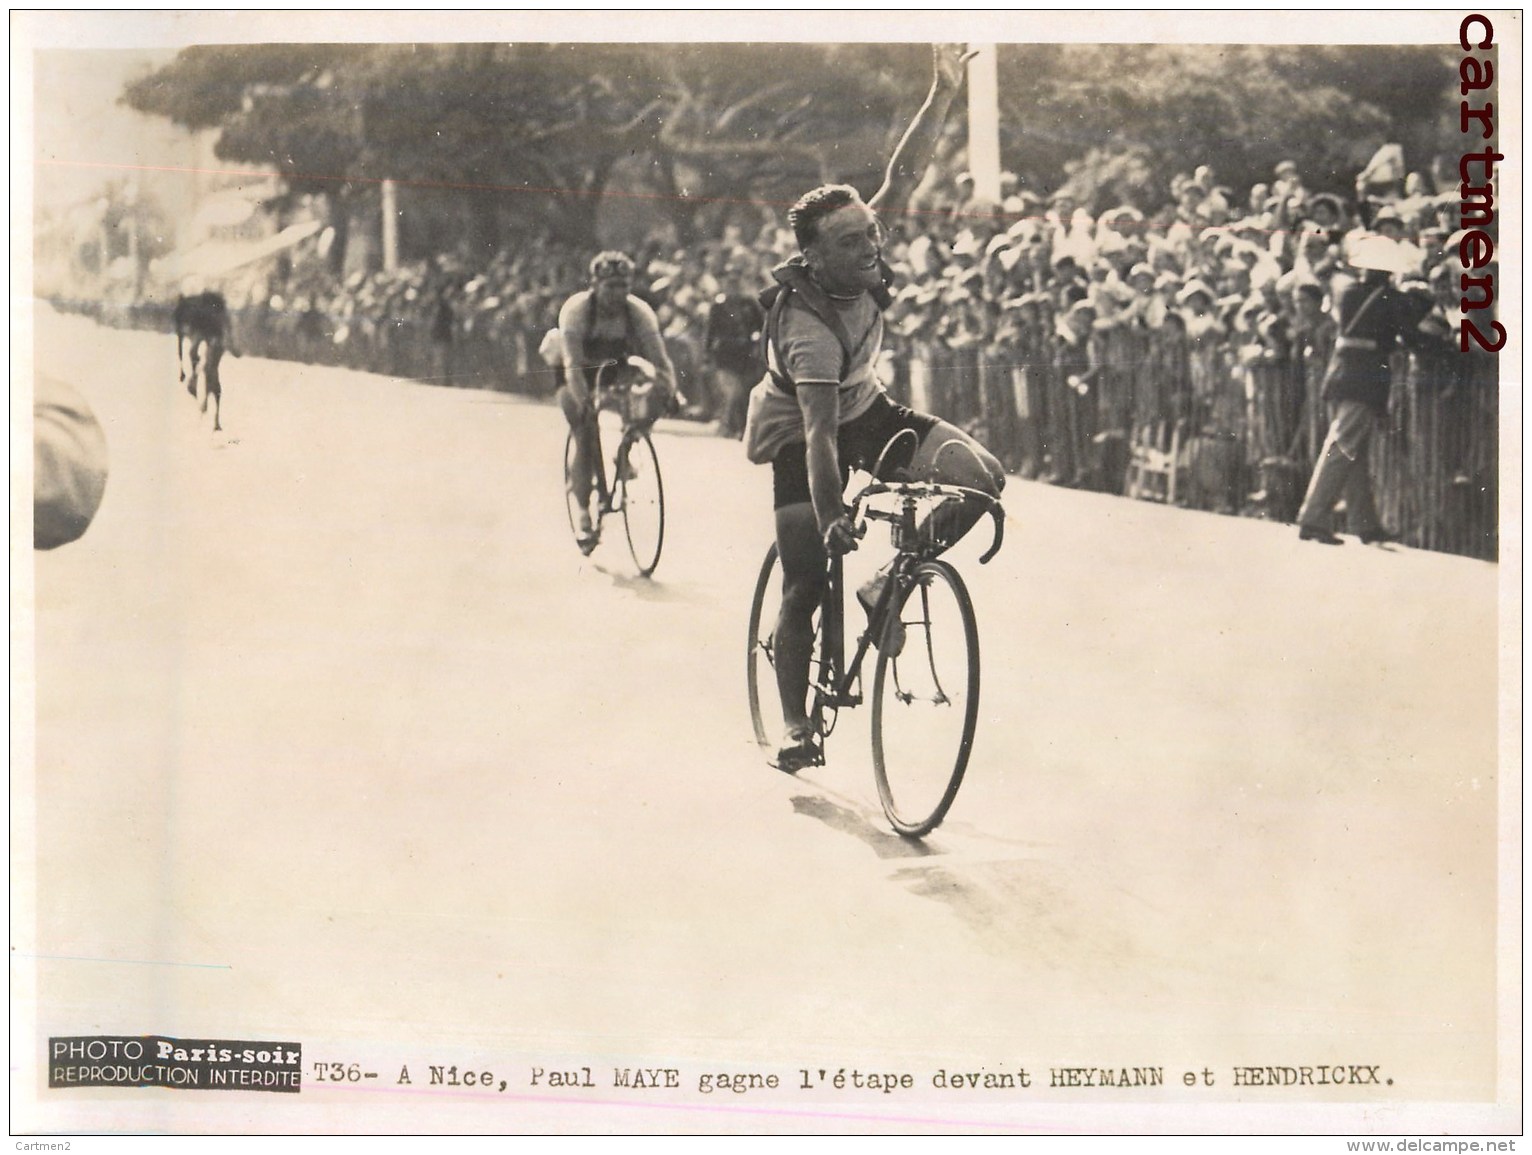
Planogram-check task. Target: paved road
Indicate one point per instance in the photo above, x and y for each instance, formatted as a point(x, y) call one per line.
point(339, 739)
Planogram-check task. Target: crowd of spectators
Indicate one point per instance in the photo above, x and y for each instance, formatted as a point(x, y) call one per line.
point(440, 321)
point(1175, 353)
point(446, 322)
point(1195, 336)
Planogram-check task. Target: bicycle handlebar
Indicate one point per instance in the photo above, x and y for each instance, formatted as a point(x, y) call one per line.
point(610, 367)
point(625, 390)
point(936, 490)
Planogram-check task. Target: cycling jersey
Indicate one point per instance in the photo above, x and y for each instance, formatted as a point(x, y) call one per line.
point(579, 316)
point(803, 347)
point(591, 339)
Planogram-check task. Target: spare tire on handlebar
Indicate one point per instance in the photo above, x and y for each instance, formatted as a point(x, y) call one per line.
point(932, 490)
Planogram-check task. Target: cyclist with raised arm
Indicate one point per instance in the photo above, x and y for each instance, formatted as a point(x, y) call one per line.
point(606, 323)
point(821, 410)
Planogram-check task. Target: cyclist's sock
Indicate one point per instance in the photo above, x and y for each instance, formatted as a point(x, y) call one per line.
point(948, 522)
point(872, 589)
point(869, 594)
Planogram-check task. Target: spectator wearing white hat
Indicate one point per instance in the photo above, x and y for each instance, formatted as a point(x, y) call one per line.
point(1288, 184)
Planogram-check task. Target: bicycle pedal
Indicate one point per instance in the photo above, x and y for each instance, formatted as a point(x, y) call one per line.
point(798, 761)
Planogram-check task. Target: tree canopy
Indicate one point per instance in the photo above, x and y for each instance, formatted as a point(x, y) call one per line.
point(533, 136)
point(1238, 108)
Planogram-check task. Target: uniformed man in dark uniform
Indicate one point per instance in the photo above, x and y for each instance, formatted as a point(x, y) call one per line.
point(1372, 314)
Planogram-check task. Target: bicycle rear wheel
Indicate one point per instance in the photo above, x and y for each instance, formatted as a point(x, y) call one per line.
point(642, 494)
point(572, 507)
point(761, 660)
point(925, 699)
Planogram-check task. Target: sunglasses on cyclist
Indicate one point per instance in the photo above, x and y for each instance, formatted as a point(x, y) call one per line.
point(612, 270)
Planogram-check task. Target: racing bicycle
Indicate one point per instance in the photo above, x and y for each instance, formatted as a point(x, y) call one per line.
point(630, 484)
point(925, 681)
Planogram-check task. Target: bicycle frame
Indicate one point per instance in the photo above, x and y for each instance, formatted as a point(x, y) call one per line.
point(629, 484)
point(838, 684)
point(921, 594)
point(601, 392)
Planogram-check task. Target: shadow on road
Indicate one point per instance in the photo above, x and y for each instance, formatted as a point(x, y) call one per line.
point(885, 844)
point(1007, 905)
point(1003, 902)
point(654, 590)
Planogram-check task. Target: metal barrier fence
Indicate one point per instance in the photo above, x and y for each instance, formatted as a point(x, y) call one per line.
point(1156, 414)
point(1161, 415)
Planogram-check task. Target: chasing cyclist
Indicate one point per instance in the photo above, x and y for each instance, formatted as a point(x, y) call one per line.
point(597, 325)
point(821, 410)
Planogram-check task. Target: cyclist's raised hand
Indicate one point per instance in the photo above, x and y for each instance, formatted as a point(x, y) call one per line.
point(950, 63)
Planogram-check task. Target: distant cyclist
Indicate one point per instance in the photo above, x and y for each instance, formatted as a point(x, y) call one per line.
point(598, 325)
point(203, 332)
point(821, 410)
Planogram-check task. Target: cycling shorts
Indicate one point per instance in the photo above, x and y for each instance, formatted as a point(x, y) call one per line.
point(858, 444)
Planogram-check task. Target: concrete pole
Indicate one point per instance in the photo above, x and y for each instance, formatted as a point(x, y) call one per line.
point(130, 219)
point(390, 226)
point(138, 269)
point(984, 123)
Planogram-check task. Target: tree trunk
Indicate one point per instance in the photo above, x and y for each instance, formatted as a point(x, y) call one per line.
point(338, 214)
point(574, 217)
point(363, 233)
point(682, 211)
point(483, 225)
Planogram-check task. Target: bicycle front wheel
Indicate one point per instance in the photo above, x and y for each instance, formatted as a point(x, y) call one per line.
point(925, 701)
point(643, 501)
point(760, 659)
point(572, 506)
